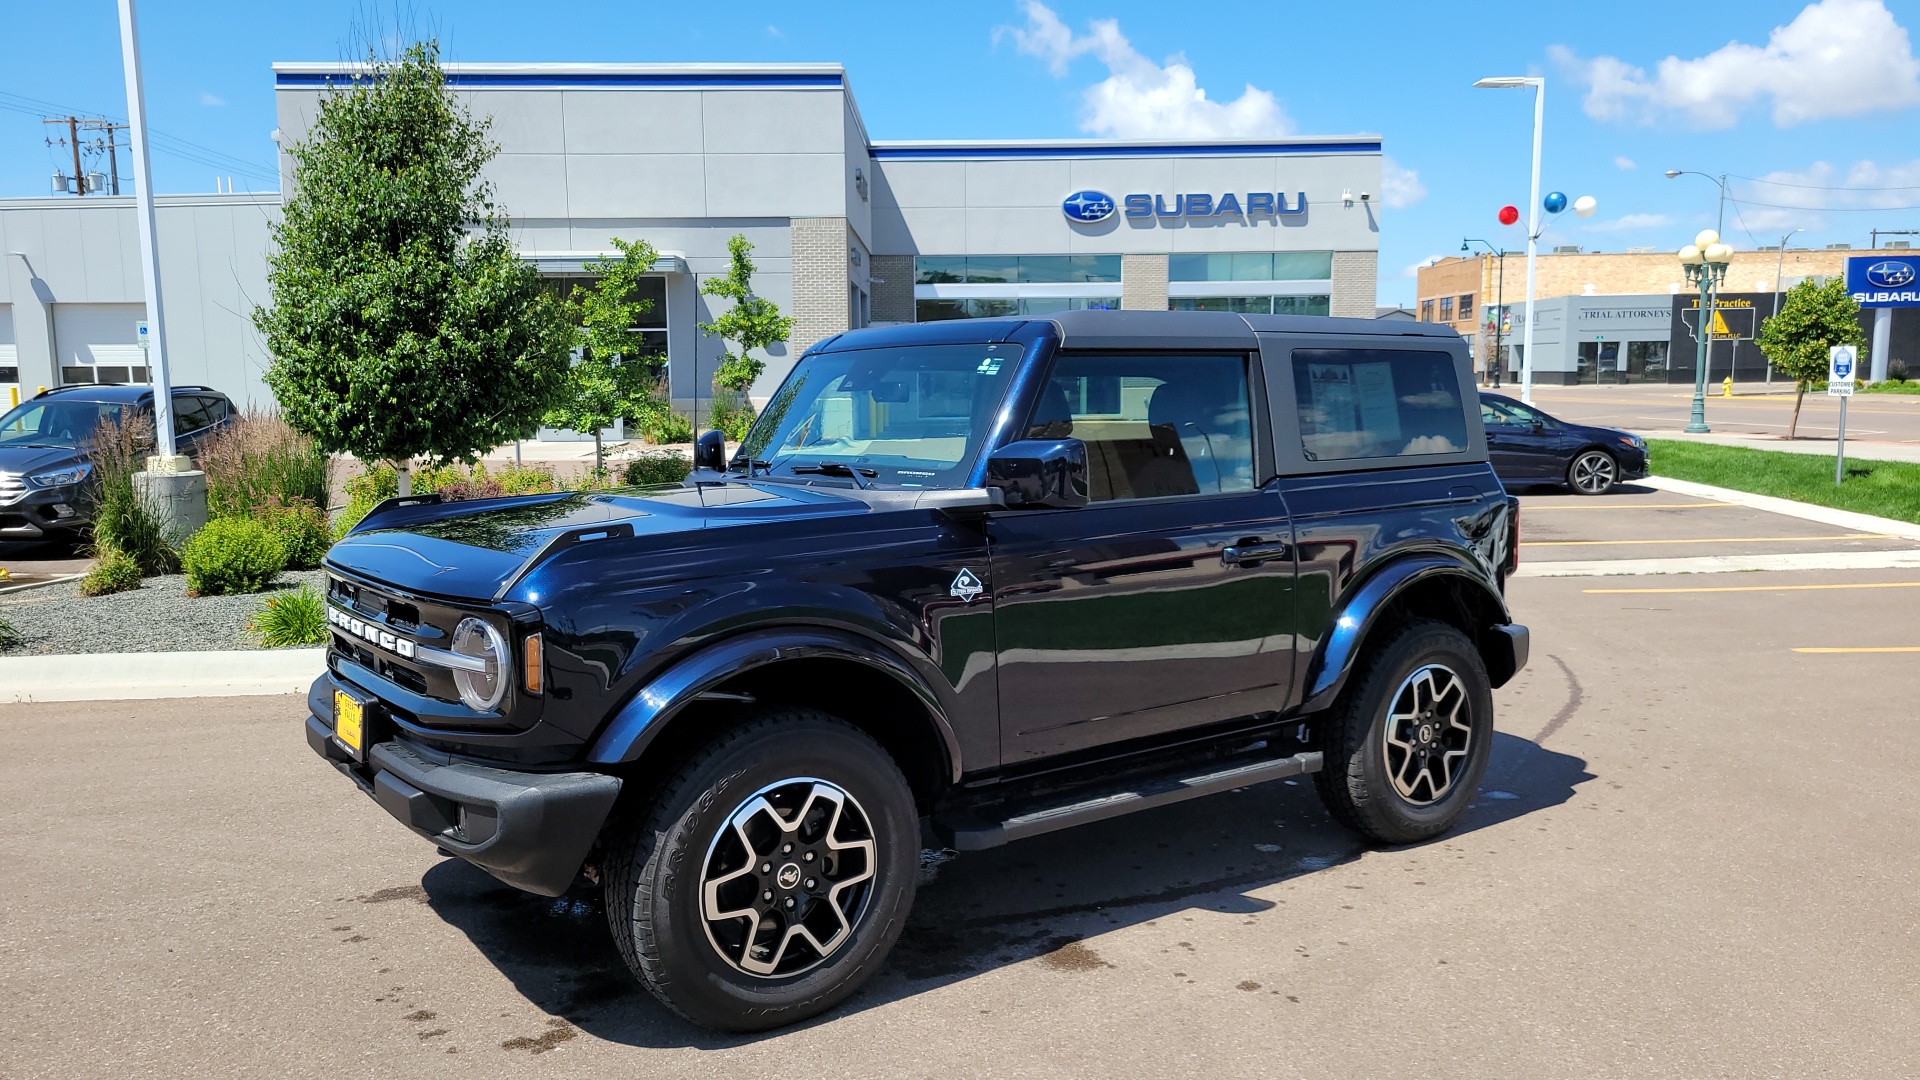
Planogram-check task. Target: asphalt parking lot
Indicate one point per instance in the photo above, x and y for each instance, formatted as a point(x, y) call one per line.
point(1691, 857)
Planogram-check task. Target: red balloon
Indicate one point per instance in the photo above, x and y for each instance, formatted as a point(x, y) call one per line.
point(1509, 215)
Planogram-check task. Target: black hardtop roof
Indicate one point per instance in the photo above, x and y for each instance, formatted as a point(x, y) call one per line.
point(1130, 330)
point(118, 393)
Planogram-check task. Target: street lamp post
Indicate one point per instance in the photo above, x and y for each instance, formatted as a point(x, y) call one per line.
point(1705, 262)
point(1499, 307)
point(1539, 85)
point(1779, 264)
point(1719, 226)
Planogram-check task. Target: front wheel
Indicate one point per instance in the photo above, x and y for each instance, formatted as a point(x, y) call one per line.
point(1408, 742)
point(1593, 472)
point(772, 876)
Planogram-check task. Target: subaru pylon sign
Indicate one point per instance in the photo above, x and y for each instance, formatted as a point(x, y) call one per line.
point(1087, 207)
point(1877, 281)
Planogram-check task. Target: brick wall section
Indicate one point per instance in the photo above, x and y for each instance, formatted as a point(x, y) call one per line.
point(820, 290)
point(892, 288)
point(1143, 282)
point(1355, 280)
point(1620, 274)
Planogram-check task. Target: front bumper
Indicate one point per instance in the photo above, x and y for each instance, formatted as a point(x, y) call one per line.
point(530, 830)
point(36, 513)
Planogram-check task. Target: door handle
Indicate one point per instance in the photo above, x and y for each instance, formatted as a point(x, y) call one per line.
point(1252, 551)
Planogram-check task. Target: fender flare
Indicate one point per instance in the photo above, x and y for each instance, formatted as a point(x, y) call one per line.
point(634, 726)
point(1335, 658)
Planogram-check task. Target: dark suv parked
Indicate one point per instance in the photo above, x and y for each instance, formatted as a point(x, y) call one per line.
point(44, 489)
point(965, 583)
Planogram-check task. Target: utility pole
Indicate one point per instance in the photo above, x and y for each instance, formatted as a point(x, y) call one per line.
point(111, 141)
point(73, 142)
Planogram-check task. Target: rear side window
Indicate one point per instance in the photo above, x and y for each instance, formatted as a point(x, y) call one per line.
point(1154, 426)
point(1378, 403)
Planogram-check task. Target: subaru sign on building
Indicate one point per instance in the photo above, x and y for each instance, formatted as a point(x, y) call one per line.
point(1879, 281)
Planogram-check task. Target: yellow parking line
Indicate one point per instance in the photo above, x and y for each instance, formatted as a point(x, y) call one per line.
point(1880, 648)
point(1534, 509)
point(1770, 588)
point(1708, 540)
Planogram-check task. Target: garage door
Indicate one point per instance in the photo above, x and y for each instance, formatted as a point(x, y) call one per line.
point(99, 343)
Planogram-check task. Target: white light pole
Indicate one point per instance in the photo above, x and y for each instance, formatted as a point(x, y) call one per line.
point(1779, 265)
point(149, 254)
point(1539, 85)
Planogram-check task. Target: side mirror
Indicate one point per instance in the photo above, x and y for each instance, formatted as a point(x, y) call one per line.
point(710, 451)
point(1040, 474)
point(1539, 425)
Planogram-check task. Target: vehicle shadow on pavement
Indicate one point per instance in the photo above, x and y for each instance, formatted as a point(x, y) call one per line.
point(1040, 899)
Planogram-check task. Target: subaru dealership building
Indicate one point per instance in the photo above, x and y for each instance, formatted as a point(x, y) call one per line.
point(847, 231)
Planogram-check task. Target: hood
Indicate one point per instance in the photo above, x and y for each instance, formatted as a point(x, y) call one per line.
point(476, 550)
point(23, 460)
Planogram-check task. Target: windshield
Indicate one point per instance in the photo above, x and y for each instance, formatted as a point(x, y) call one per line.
point(910, 416)
point(58, 422)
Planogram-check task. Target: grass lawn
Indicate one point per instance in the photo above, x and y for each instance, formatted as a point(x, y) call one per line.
point(1888, 489)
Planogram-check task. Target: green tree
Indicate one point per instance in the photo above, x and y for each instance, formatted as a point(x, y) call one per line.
point(753, 322)
point(612, 378)
point(401, 323)
point(1813, 319)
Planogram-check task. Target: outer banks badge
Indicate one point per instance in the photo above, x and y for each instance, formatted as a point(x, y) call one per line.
point(966, 586)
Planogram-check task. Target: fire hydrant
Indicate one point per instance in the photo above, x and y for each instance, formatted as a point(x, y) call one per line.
point(1726, 388)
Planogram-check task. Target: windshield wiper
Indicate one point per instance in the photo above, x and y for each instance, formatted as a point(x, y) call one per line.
point(839, 468)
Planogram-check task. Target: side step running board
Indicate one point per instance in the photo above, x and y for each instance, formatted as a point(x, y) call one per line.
point(1162, 791)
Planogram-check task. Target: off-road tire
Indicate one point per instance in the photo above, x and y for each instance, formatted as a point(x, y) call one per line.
point(1355, 783)
point(657, 857)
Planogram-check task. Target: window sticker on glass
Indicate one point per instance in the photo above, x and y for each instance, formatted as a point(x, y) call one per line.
point(989, 366)
point(1379, 411)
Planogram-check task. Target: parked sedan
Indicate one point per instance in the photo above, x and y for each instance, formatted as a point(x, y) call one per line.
point(1529, 447)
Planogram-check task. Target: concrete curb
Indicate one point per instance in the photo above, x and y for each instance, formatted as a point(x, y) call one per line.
point(1857, 449)
point(4, 590)
point(1845, 519)
point(1724, 564)
point(131, 676)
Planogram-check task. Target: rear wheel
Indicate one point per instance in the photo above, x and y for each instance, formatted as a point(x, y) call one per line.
point(1593, 472)
point(1408, 743)
point(771, 877)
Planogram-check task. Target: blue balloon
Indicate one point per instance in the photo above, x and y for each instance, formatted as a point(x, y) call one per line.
point(1555, 202)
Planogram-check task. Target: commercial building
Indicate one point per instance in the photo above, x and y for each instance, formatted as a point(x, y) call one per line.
point(847, 231)
point(1629, 317)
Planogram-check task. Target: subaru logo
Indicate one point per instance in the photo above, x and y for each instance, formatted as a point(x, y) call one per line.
point(1884, 275)
point(1087, 207)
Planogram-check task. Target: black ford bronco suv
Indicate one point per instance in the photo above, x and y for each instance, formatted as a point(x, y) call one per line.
point(964, 583)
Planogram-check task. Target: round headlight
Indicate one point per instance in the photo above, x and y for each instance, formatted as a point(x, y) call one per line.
point(481, 690)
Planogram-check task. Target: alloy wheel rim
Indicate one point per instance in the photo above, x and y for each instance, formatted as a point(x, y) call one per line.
point(788, 878)
point(1593, 472)
point(1429, 733)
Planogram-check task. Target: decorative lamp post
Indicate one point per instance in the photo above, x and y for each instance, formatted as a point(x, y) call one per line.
point(1705, 262)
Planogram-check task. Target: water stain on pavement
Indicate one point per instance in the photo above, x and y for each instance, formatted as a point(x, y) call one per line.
point(558, 1031)
point(1072, 954)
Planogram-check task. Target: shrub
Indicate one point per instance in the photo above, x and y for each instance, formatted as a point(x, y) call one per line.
point(301, 528)
point(121, 519)
point(657, 469)
point(232, 555)
point(363, 493)
point(525, 480)
point(733, 418)
point(115, 571)
point(660, 425)
point(258, 459)
point(291, 618)
point(9, 637)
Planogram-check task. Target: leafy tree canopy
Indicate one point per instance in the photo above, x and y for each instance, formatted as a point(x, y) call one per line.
point(1812, 320)
point(401, 323)
point(753, 322)
point(612, 377)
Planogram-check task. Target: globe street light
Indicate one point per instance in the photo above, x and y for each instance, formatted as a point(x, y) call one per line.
point(1705, 262)
point(1539, 85)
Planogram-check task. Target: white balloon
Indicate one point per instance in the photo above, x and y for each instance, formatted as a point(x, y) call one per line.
point(1585, 205)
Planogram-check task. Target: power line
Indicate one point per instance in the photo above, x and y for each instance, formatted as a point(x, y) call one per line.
point(1824, 187)
point(163, 142)
point(1823, 209)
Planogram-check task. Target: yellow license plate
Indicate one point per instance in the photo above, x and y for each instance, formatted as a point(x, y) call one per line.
point(347, 719)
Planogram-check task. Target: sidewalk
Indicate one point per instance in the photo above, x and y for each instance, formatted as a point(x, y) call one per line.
point(1862, 449)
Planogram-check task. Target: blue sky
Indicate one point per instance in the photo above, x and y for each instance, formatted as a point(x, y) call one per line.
point(1820, 100)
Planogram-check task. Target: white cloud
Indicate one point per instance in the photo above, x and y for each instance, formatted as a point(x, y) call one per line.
point(1836, 58)
point(1629, 222)
point(1624, 163)
point(774, 31)
point(1414, 270)
point(1400, 187)
point(1802, 198)
point(210, 100)
point(1140, 99)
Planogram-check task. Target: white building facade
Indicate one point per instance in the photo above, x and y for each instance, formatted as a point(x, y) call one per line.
point(847, 231)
